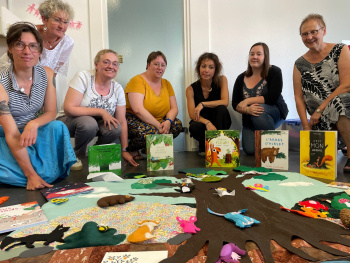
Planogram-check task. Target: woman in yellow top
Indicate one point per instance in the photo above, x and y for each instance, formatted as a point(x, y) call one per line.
point(150, 104)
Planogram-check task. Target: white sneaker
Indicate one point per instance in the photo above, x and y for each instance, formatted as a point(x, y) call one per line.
point(77, 166)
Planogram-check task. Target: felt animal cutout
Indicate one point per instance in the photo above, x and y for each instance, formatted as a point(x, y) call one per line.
point(58, 201)
point(237, 217)
point(3, 199)
point(188, 226)
point(269, 153)
point(308, 212)
point(186, 188)
point(214, 154)
point(28, 241)
point(314, 204)
point(103, 228)
point(258, 187)
point(114, 200)
point(230, 253)
point(187, 180)
point(223, 191)
point(144, 232)
point(344, 216)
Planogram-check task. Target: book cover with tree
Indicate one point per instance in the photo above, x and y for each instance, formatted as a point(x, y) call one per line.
point(318, 154)
point(222, 148)
point(271, 149)
point(105, 158)
point(160, 152)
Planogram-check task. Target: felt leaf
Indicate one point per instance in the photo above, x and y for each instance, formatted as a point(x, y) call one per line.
point(90, 236)
point(243, 168)
point(211, 179)
point(195, 170)
point(271, 177)
point(212, 172)
point(178, 239)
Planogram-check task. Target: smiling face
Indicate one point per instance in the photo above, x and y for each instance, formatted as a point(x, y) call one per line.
point(24, 58)
point(207, 69)
point(256, 57)
point(107, 66)
point(55, 25)
point(157, 67)
point(312, 41)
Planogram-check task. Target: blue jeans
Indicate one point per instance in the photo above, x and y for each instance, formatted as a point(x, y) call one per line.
point(270, 119)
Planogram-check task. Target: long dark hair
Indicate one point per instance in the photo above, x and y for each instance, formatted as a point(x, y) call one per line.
point(266, 65)
point(218, 66)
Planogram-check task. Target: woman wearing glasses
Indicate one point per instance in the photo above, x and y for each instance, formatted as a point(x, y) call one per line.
point(27, 113)
point(150, 104)
point(57, 46)
point(95, 106)
point(321, 80)
point(207, 99)
point(256, 94)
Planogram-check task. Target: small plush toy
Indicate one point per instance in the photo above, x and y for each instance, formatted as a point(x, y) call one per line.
point(58, 201)
point(114, 199)
point(223, 191)
point(345, 217)
point(230, 253)
point(144, 232)
point(237, 217)
point(188, 226)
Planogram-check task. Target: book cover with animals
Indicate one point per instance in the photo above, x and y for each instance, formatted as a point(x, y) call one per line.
point(271, 149)
point(318, 154)
point(65, 191)
point(222, 148)
point(105, 158)
point(160, 152)
point(22, 215)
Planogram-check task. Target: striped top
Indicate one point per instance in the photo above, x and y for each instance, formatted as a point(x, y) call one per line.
point(25, 108)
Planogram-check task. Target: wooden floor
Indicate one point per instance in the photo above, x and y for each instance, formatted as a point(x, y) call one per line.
point(182, 160)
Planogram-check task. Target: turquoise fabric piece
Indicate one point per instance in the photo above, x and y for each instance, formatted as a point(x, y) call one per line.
point(81, 201)
point(271, 177)
point(285, 194)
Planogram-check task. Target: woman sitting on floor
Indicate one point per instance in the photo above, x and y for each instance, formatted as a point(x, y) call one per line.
point(207, 99)
point(35, 149)
point(321, 80)
point(95, 106)
point(255, 95)
point(150, 104)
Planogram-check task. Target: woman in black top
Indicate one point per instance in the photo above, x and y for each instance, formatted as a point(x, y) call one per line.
point(207, 99)
point(255, 95)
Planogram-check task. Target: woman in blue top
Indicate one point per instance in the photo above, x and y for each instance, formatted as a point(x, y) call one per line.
point(35, 149)
point(255, 95)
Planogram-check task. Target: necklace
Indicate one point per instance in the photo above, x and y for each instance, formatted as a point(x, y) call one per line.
point(50, 46)
point(22, 88)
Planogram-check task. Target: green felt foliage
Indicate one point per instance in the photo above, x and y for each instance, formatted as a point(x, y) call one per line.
point(90, 236)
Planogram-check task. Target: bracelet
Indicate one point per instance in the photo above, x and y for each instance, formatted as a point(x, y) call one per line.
point(207, 123)
point(168, 119)
point(202, 104)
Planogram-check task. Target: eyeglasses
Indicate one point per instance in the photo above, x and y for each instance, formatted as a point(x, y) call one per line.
point(312, 33)
point(108, 62)
point(157, 65)
point(20, 46)
point(59, 21)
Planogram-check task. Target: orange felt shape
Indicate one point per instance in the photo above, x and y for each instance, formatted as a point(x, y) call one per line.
point(144, 232)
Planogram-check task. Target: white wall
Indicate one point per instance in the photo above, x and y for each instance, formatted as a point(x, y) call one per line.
point(233, 26)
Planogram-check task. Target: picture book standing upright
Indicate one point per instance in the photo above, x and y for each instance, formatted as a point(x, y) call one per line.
point(318, 154)
point(271, 149)
point(104, 158)
point(160, 152)
point(222, 148)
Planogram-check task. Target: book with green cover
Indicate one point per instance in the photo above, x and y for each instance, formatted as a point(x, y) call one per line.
point(105, 158)
point(160, 152)
point(222, 148)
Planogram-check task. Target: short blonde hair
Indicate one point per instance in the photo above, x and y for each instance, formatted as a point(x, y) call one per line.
point(49, 7)
point(102, 52)
point(317, 17)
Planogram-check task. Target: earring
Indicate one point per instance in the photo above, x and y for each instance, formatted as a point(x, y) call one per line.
point(45, 28)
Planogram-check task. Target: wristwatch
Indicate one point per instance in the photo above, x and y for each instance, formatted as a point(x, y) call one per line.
point(125, 149)
point(319, 110)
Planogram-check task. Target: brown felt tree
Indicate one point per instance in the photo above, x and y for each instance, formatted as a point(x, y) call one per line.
point(275, 224)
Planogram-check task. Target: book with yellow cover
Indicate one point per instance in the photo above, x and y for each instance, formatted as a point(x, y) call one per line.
point(318, 154)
